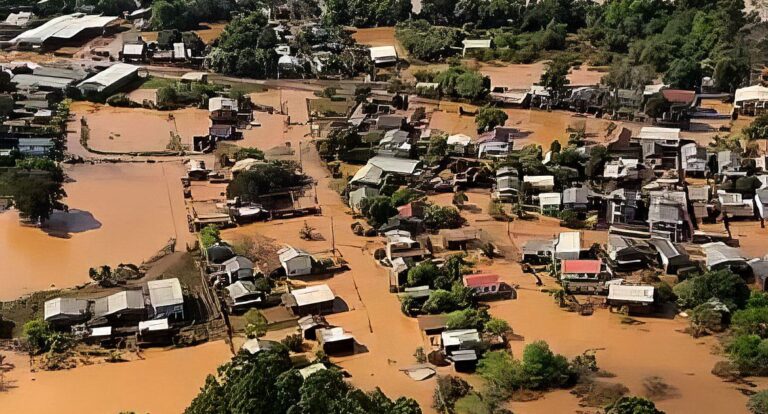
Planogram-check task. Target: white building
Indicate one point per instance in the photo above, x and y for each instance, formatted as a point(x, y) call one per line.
point(296, 262)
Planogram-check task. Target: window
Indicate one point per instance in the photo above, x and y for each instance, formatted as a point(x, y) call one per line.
point(493, 288)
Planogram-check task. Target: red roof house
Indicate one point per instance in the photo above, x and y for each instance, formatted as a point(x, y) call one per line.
point(581, 266)
point(483, 283)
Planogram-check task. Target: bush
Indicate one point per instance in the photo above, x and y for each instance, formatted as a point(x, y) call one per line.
point(751, 321)
point(633, 405)
point(377, 210)
point(243, 153)
point(256, 324)
point(295, 342)
point(758, 403)
point(119, 99)
point(539, 369)
point(423, 274)
point(210, 235)
point(750, 354)
point(405, 195)
point(38, 333)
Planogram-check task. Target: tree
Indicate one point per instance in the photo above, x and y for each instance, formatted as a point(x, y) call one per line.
point(448, 390)
point(467, 319)
point(555, 76)
point(210, 235)
point(438, 147)
point(264, 179)
point(377, 210)
point(555, 146)
point(442, 217)
point(683, 73)
point(758, 128)
point(633, 405)
point(426, 42)
point(38, 333)
point(758, 403)
point(36, 195)
point(249, 152)
point(497, 327)
point(656, 106)
point(543, 368)
point(405, 195)
point(461, 82)
point(722, 285)
point(488, 118)
point(423, 274)
point(598, 156)
point(751, 321)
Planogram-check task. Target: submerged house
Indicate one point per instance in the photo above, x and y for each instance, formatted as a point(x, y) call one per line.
point(483, 283)
point(242, 295)
point(317, 299)
point(61, 312)
point(166, 298)
point(379, 169)
point(125, 306)
point(636, 298)
point(335, 341)
point(671, 256)
point(693, 159)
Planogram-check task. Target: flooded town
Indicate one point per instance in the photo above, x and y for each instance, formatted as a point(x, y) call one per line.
point(391, 207)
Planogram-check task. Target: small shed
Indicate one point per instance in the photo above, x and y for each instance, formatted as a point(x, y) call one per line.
point(464, 360)
point(296, 262)
point(127, 305)
point(432, 324)
point(459, 339)
point(238, 268)
point(310, 324)
point(382, 55)
point(634, 297)
point(311, 369)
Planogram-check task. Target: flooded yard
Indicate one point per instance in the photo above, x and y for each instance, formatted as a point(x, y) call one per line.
point(136, 129)
point(119, 213)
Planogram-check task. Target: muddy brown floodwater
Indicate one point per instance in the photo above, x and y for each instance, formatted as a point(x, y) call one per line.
point(135, 129)
point(119, 213)
point(165, 382)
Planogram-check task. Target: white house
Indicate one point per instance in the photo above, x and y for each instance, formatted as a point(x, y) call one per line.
point(568, 245)
point(761, 202)
point(296, 262)
point(381, 55)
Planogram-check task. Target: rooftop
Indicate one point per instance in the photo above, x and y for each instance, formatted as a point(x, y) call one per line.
point(630, 293)
point(165, 292)
point(312, 295)
point(581, 266)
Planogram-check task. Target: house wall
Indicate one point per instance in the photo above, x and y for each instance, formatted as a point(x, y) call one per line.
point(298, 266)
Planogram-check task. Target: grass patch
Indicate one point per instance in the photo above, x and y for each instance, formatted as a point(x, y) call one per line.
point(154, 82)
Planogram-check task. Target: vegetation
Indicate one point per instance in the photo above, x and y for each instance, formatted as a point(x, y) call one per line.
point(442, 217)
point(35, 184)
point(462, 82)
point(209, 236)
point(633, 405)
point(246, 48)
point(266, 383)
point(186, 14)
point(426, 42)
point(42, 338)
point(360, 13)
point(448, 390)
point(180, 94)
point(539, 369)
point(264, 179)
point(758, 403)
point(255, 324)
point(248, 152)
point(405, 195)
point(377, 210)
point(722, 285)
point(488, 118)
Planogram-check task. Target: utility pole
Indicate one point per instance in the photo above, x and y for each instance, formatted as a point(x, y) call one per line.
point(333, 239)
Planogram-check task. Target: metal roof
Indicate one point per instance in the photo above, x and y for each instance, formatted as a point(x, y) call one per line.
point(576, 195)
point(719, 253)
point(480, 279)
point(549, 199)
point(287, 253)
point(26, 80)
point(395, 165)
point(540, 180)
point(120, 301)
point(476, 43)
point(750, 93)
point(165, 292)
point(630, 293)
point(110, 76)
point(383, 52)
point(311, 369)
point(659, 133)
point(568, 241)
point(236, 263)
point(458, 336)
point(65, 306)
point(328, 335)
point(241, 288)
point(312, 295)
point(135, 49)
point(64, 27)
point(154, 325)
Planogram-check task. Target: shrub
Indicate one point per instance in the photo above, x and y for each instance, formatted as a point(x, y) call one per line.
point(442, 217)
point(498, 327)
point(758, 403)
point(38, 333)
point(467, 319)
point(448, 390)
point(488, 118)
point(723, 285)
point(256, 324)
point(294, 343)
point(209, 236)
point(119, 99)
point(633, 405)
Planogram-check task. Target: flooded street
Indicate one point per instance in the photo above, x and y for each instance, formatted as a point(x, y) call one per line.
point(119, 213)
point(164, 382)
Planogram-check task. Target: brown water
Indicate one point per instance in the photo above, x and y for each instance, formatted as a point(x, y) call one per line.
point(135, 129)
point(541, 127)
point(119, 213)
point(165, 382)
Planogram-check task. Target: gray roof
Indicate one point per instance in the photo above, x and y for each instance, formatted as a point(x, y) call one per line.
point(65, 306)
point(165, 292)
point(63, 27)
point(290, 252)
point(118, 302)
point(236, 263)
point(666, 247)
point(241, 288)
point(698, 193)
point(719, 253)
point(35, 142)
point(25, 81)
point(576, 195)
point(395, 165)
point(390, 121)
point(110, 76)
point(665, 211)
point(538, 245)
point(357, 196)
